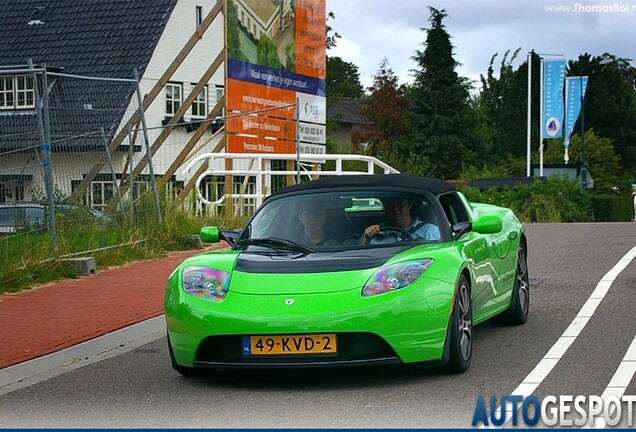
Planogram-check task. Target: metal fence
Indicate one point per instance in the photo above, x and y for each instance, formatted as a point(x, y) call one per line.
point(255, 176)
point(65, 145)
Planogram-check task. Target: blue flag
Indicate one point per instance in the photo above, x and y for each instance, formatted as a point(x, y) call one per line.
point(574, 92)
point(553, 106)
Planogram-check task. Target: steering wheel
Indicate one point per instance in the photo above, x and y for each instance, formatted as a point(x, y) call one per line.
point(405, 235)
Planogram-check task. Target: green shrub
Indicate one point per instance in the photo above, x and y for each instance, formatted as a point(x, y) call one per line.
point(555, 199)
point(612, 208)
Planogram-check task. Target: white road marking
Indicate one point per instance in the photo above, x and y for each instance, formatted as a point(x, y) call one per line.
point(558, 350)
point(621, 379)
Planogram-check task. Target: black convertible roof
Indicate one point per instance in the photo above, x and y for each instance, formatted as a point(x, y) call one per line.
point(400, 181)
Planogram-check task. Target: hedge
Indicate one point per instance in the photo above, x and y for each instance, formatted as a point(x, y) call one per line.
point(612, 208)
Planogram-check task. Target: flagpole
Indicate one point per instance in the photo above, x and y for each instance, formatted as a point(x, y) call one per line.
point(541, 119)
point(566, 139)
point(529, 143)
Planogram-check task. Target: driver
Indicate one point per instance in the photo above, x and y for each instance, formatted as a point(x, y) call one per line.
point(398, 214)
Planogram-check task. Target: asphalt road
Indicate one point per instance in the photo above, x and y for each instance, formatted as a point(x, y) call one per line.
point(566, 263)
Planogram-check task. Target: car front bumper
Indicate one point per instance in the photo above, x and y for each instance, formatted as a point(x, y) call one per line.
point(405, 326)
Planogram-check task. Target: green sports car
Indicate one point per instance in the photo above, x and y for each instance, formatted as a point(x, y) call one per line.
point(346, 271)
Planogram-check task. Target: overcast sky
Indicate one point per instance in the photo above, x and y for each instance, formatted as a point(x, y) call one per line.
point(374, 29)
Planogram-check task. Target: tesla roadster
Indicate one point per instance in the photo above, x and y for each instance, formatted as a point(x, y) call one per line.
point(356, 286)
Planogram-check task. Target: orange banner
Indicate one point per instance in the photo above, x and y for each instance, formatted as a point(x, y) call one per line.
point(262, 126)
point(245, 97)
point(311, 34)
point(248, 144)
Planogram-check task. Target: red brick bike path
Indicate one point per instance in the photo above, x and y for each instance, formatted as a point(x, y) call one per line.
point(50, 318)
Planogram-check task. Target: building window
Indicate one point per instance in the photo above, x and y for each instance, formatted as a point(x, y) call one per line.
point(101, 193)
point(200, 104)
point(6, 92)
point(17, 92)
point(25, 93)
point(139, 188)
point(220, 91)
point(199, 15)
point(173, 98)
point(242, 186)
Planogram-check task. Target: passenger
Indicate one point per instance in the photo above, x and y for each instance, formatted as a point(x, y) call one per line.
point(312, 218)
point(398, 214)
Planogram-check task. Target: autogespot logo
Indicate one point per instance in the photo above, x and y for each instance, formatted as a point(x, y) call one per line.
point(564, 410)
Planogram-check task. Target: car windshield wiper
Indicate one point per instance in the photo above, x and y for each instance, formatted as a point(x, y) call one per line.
point(276, 244)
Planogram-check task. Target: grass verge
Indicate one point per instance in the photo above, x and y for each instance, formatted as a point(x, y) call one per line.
point(25, 259)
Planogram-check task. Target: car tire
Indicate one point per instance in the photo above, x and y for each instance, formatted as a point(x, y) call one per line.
point(461, 330)
point(184, 370)
point(517, 313)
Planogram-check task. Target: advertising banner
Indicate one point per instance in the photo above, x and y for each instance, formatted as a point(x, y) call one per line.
point(237, 143)
point(574, 92)
point(261, 126)
point(276, 57)
point(312, 148)
point(312, 133)
point(312, 108)
point(553, 106)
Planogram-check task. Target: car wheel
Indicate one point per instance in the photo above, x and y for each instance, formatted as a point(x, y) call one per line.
point(461, 330)
point(183, 370)
point(517, 313)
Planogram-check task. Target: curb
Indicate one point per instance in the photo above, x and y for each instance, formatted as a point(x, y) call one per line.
point(31, 372)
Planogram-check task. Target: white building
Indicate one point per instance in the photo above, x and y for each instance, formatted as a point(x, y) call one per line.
point(177, 47)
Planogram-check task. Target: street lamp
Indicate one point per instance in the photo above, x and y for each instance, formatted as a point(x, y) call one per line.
point(606, 60)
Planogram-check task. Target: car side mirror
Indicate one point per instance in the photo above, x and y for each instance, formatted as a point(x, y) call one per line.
point(212, 234)
point(487, 224)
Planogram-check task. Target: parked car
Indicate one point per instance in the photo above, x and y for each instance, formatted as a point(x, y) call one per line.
point(82, 214)
point(16, 216)
point(23, 215)
point(371, 294)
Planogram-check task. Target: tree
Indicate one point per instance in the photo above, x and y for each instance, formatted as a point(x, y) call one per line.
point(610, 103)
point(502, 107)
point(343, 79)
point(332, 37)
point(440, 121)
point(384, 108)
point(601, 160)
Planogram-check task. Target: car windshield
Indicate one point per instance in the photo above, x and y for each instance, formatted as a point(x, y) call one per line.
point(342, 220)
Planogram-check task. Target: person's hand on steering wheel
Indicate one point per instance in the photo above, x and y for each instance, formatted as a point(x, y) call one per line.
point(375, 232)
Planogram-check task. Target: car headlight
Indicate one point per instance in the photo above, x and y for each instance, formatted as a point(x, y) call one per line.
point(395, 277)
point(205, 282)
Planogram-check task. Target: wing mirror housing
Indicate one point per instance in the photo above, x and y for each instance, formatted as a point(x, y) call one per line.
point(487, 224)
point(212, 234)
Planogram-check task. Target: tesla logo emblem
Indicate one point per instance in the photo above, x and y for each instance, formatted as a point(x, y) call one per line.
point(289, 302)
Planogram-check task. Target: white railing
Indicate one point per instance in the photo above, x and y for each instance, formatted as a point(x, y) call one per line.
point(263, 175)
